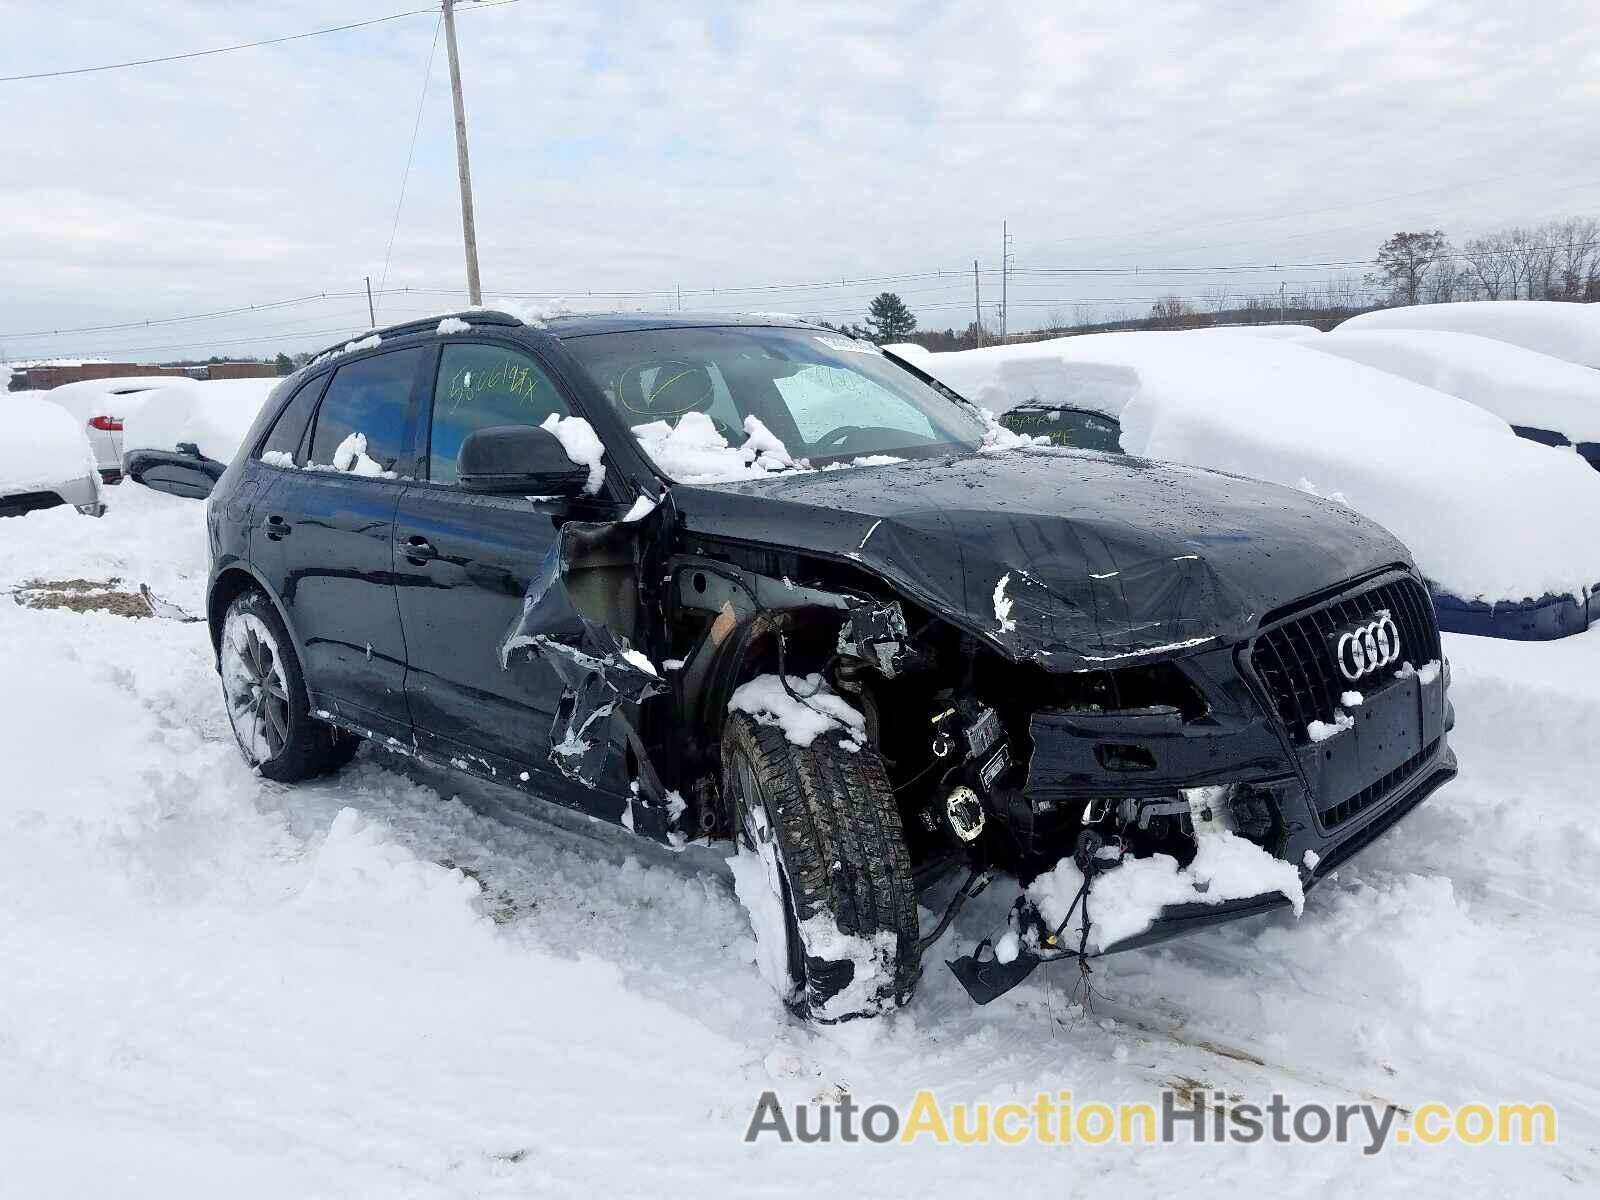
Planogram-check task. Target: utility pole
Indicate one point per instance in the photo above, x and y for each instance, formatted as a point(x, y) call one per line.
point(977, 306)
point(1005, 264)
point(1281, 286)
point(372, 314)
point(469, 232)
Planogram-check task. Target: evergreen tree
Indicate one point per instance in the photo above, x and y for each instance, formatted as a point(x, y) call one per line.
point(888, 318)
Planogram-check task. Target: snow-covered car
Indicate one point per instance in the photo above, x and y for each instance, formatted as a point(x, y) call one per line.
point(711, 577)
point(45, 458)
point(184, 435)
point(1502, 528)
point(1544, 399)
point(1561, 330)
point(102, 405)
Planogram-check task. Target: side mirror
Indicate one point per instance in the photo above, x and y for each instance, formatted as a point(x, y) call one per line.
point(518, 458)
point(184, 472)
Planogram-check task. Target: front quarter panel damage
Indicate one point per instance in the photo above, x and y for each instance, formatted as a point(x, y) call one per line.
point(598, 668)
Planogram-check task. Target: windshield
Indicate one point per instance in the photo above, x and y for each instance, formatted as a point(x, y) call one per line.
point(727, 403)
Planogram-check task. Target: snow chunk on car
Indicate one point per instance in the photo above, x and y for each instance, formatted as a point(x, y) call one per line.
point(811, 710)
point(694, 451)
point(583, 447)
point(351, 456)
point(1126, 901)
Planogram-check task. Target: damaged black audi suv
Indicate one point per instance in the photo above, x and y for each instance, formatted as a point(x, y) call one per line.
point(749, 579)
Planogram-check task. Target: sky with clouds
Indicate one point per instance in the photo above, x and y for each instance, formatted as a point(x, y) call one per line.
point(622, 147)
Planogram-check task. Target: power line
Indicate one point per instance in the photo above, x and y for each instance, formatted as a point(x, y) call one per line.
point(276, 41)
point(410, 153)
point(1149, 275)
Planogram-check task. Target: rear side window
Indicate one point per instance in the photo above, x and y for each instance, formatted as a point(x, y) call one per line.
point(289, 430)
point(480, 386)
point(361, 424)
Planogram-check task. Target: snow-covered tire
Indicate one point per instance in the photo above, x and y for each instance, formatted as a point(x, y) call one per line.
point(823, 822)
point(265, 694)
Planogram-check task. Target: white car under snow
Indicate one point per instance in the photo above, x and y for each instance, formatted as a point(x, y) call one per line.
point(1502, 527)
point(1561, 330)
point(101, 407)
point(45, 460)
point(1545, 399)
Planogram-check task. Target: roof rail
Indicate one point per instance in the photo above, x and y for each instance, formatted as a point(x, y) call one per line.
point(474, 316)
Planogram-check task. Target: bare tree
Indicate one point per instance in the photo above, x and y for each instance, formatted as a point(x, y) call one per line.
point(1489, 266)
point(1531, 261)
point(1575, 254)
point(1172, 312)
point(1404, 261)
point(1444, 281)
point(1344, 292)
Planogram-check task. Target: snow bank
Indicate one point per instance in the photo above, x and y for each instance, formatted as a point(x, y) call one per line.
point(41, 445)
point(1521, 386)
point(1488, 515)
point(1566, 331)
point(214, 415)
point(802, 720)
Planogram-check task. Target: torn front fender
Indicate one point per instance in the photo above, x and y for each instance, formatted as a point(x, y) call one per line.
point(1105, 560)
point(598, 669)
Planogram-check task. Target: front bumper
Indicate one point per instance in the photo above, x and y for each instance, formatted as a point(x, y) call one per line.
point(1329, 799)
point(1181, 919)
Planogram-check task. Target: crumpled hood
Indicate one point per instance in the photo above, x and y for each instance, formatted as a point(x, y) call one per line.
point(1071, 558)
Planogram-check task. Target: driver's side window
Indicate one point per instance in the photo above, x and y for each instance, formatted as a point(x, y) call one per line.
point(821, 399)
point(480, 386)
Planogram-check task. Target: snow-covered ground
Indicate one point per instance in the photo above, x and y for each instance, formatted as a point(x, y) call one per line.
point(389, 983)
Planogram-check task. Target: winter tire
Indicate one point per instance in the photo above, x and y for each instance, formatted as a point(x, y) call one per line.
point(265, 695)
point(822, 821)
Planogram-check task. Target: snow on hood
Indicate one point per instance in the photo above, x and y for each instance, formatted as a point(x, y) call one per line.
point(1567, 331)
point(214, 414)
point(1488, 515)
point(1517, 385)
point(41, 445)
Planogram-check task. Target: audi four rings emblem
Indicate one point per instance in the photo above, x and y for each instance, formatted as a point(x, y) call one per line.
point(1363, 649)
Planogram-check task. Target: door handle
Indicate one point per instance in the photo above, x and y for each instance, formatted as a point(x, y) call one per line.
point(277, 528)
point(419, 550)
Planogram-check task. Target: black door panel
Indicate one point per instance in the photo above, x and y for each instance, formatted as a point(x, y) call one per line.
point(326, 543)
point(459, 600)
point(322, 534)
